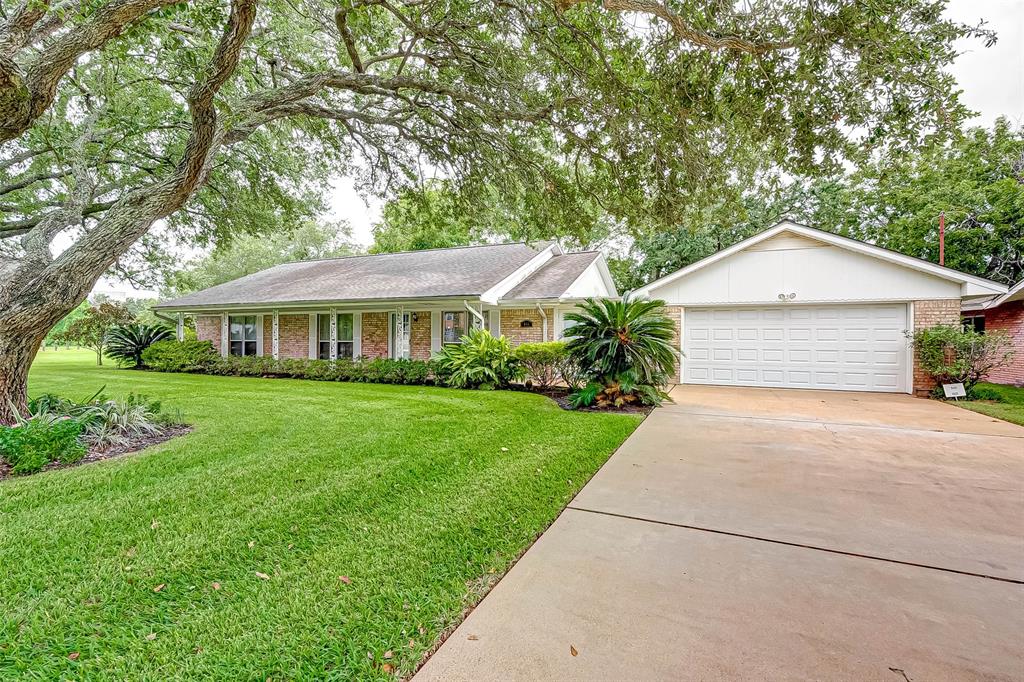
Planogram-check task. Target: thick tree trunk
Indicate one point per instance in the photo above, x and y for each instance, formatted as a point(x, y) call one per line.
point(17, 351)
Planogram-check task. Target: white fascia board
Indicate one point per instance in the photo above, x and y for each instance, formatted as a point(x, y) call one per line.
point(972, 285)
point(494, 294)
point(369, 305)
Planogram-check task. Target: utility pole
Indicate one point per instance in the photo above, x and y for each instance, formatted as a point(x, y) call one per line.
point(942, 238)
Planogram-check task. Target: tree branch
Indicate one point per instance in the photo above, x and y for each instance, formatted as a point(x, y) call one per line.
point(682, 29)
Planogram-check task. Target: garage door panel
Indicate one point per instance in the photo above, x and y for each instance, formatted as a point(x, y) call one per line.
point(829, 347)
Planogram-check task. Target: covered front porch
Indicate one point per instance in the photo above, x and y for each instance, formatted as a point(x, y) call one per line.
point(414, 329)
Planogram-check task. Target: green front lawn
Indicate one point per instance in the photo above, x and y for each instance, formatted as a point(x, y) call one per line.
point(1009, 406)
point(418, 496)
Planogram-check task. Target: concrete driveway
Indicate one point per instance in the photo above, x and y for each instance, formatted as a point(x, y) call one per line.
point(770, 534)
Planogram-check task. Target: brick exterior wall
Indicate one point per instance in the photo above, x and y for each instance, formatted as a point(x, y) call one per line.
point(419, 336)
point(1009, 318)
point(929, 314)
point(268, 335)
point(375, 335)
point(511, 318)
point(292, 336)
point(208, 329)
point(675, 312)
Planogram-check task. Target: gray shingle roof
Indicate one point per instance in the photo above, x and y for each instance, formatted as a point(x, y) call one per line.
point(554, 277)
point(461, 271)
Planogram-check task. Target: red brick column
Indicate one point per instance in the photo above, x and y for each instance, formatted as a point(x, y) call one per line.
point(375, 335)
point(292, 336)
point(675, 313)
point(419, 336)
point(268, 335)
point(929, 314)
point(208, 329)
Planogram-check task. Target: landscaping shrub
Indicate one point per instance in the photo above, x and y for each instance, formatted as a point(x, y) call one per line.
point(33, 443)
point(480, 361)
point(105, 422)
point(543, 363)
point(952, 354)
point(126, 344)
point(180, 356)
point(624, 346)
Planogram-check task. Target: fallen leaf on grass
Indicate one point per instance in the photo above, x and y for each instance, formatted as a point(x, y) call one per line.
point(74, 655)
point(215, 586)
point(252, 543)
point(388, 668)
point(412, 644)
point(389, 654)
point(262, 576)
point(159, 587)
point(345, 579)
point(504, 449)
point(155, 524)
point(572, 650)
point(151, 636)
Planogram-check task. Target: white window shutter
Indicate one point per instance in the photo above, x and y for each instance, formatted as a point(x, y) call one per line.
point(357, 335)
point(259, 334)
point(495, 323)
point(224, 334)
point(313, 334)
point(435, 331)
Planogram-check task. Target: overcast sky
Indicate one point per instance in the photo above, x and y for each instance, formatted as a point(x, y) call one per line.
point(992, 80)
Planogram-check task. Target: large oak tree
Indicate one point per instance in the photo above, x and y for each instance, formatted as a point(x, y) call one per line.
point(218, 116)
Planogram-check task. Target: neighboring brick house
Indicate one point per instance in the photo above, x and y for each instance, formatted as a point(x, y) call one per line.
point(1002, 313)
point(402, 305)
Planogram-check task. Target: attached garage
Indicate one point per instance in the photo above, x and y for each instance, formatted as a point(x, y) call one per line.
point(850, 348)
point(796, 307)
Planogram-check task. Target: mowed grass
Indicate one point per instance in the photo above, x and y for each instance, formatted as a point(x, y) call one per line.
point(408, 492)
point(1010, 406)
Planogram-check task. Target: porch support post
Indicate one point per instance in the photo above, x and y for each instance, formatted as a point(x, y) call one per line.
point(224, 334)
point(180, 329)
point(334, 334)
point(275, 337)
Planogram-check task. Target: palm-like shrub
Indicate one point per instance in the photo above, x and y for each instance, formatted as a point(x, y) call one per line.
point(624, 348)
point(479, 361)
point(126, 343)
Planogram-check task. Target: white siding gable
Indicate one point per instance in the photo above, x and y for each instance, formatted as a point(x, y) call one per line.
point(589, 283)
point(814, 271)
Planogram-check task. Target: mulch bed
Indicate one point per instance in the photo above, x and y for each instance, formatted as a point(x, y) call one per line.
point(560, 394)
point(98, 454)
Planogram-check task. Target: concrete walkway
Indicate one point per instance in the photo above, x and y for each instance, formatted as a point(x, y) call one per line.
point(768, 534)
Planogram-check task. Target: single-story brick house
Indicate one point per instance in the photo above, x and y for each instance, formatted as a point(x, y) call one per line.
point(1005, 313)
point(796, 307)
point(399, 305)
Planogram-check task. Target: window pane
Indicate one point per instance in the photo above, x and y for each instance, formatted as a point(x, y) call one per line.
point(453, 326)
point(324, 325)
point(235, 328)
point(235, 348)
point(250, 328)
point(325, 350)
point(346, 327)
point(345, 349)
point(250, 348)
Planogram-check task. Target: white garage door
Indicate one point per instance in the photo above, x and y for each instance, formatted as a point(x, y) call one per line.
point(839, 347)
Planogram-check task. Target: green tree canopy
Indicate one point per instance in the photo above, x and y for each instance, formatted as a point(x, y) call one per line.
point(247, 254)
point(894, 201)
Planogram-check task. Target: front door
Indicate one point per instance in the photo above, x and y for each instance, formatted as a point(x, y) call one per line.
point(400, 324)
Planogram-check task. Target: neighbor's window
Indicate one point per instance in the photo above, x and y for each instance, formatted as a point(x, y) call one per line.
point(974, 323)
point(346, 336)
point(242, 334)
point(454, 325)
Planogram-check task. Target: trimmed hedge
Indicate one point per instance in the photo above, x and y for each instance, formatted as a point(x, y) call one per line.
point(201, 358)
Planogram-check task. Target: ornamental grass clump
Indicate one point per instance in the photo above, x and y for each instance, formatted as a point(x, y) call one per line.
point(624, 350)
